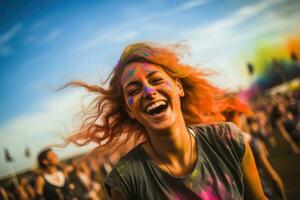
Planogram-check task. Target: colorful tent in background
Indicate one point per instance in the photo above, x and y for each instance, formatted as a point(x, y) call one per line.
point(272, 65)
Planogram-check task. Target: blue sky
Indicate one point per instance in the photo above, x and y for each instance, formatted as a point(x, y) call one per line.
point(44, 44)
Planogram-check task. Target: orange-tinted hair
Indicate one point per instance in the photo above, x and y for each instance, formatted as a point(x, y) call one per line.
point(107, 122)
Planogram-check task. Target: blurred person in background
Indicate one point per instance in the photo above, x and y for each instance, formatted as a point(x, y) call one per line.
point(84, 175)
point(271, 181)
point(265, 128)
point(52, 182)
point(4, 194)
point(25, 190)
point(152, 96)
point(243, 117)
point(279, 117)
point(288, 125)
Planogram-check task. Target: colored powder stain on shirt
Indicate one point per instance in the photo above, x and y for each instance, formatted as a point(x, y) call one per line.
point(195, 173)
point(228, 135)
point(208, 194)
point(206, 182)
point(221, 189)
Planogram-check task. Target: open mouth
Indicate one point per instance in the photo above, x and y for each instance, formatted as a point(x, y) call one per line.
point(156, 108)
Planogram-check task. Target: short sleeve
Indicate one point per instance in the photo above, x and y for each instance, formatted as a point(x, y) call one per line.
point(115, 180)
point(226, 139)
point(235, 139)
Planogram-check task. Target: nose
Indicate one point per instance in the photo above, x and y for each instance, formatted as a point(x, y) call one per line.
point(148, 91)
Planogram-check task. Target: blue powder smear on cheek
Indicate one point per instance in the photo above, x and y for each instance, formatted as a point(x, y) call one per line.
point(130, 101)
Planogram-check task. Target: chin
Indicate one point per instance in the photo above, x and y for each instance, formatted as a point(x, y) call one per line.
point(160, 126)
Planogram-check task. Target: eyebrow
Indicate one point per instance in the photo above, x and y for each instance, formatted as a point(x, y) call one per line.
point(135, 82)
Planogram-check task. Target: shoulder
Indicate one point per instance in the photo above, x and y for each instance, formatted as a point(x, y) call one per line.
point(132, 159)
point(223, 136)
point(220, 130)
point(129, 163)
point(123, 176)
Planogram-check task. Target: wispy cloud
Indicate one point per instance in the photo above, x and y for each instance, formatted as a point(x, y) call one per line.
point(126, 36)
point(5, 48)
point(220, 34)
point(40, 128)
point(10, 33)
point(237, 18)
point(38, 24)
point(102, 38)
point(186, 6)
point(121, 33)
point(46, 118)
point(52, 36)
point(221, 42)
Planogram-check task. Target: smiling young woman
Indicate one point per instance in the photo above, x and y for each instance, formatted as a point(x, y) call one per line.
point(184, 153)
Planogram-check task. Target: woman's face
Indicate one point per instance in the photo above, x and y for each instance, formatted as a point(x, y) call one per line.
point(151, 95)
point(51, 159)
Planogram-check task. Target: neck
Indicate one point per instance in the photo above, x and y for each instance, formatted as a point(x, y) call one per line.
point(171, 145)
point(52, 169)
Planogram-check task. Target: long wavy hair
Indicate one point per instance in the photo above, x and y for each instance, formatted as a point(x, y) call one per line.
point(107, 123)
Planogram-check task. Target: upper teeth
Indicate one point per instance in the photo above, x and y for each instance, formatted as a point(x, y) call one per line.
point(155, 105)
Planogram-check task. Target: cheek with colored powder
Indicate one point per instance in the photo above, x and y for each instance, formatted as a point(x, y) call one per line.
point(130, 102)
point(168, 85)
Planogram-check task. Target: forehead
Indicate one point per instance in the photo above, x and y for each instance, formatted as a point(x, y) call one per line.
point(138, 69)
point(51, 153)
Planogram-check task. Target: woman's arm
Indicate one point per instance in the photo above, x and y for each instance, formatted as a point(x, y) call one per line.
point(252, 182)
point(287, 137)
point(116, 195)
point(40, 188)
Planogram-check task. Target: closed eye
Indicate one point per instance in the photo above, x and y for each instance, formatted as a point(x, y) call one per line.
point(132, 92)
point(157, 80)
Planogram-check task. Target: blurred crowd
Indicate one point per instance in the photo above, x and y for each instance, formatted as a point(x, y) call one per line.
point(83, 178)
point(277, 114)
point(79, 178)
point(271, 118)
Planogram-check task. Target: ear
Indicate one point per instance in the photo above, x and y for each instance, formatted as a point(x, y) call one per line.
point(179, 88)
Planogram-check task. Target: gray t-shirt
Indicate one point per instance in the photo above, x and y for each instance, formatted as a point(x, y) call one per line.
point(217, 174)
